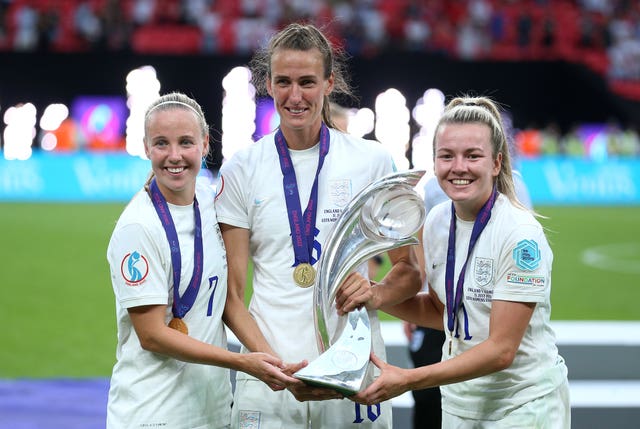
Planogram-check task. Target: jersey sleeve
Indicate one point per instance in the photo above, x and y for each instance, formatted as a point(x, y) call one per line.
point(386, 163)
point(231, 205)
point(524, 271)
point(140, 275)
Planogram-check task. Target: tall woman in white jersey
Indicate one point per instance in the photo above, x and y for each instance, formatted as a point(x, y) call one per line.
point(277, 202)
point(488, 267)
point(169, 276)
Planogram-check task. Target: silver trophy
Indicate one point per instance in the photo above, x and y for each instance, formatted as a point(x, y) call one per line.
point(383, 216)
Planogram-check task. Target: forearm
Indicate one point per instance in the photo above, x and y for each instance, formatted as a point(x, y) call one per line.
point(419, 310)
point(235, 315)
point(243, 325)
point(478, 361)
point(403, 280)
point(156, 337)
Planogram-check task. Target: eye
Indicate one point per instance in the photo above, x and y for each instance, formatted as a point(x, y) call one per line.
point(160, 143)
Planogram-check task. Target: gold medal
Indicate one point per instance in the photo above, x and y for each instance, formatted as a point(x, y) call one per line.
point(304, 275)
point(179, 325)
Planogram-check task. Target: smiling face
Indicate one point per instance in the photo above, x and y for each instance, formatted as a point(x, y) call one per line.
point(175, 146)
point(298, 88)
point(465, 166)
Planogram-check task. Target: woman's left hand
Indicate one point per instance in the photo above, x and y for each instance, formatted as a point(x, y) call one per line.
point(355, 292)
point(392, 382)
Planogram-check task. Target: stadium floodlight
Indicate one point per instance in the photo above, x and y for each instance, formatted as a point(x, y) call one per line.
point(143, 87)
point(20, 131)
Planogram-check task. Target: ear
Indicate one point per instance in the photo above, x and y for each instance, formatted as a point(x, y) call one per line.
point(329, 86)
point(497, 165)
point(205, 146)
point(146, 148)
point(268, 81)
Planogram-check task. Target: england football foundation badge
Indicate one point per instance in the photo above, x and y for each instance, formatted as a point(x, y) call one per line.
point(527, 255)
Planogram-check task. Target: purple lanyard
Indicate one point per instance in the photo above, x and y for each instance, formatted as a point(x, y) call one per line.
point(181, 305)
point(454, 301)
point(302, 238)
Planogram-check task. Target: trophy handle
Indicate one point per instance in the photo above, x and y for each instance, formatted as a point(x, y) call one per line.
point(385, 215)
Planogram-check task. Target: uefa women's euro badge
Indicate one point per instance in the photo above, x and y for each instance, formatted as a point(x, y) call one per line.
point(383, 216)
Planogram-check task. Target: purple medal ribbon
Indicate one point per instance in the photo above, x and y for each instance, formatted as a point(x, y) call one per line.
point(181, 305)
point(454, 299)
point(302, 238)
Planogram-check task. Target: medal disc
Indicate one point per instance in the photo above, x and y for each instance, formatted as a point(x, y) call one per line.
point(304, 275)
point(179, 325)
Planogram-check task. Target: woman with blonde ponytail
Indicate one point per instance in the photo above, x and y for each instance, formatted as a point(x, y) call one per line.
point(488, 270)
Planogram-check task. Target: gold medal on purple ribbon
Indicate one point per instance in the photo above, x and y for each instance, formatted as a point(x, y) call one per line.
point(181, 304)
point(179, 325)
point(304, 274)
point(301, 223)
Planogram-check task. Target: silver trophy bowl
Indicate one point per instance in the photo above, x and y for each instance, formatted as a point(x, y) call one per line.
point(383, 216)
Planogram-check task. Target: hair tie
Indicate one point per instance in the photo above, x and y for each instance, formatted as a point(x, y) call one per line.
point(173, 102)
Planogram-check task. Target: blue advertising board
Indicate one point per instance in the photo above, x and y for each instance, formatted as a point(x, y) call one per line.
point(88, 177)
point(116, 177)
point(576, 181)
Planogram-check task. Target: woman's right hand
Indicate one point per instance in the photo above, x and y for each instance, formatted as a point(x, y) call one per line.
point(269, 369)
point(305, 392)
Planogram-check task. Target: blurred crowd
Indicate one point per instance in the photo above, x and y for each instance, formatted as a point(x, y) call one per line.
point(604, 34)
point(596, 141)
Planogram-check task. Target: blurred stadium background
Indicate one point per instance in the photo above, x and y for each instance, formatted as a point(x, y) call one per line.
point(75, 76)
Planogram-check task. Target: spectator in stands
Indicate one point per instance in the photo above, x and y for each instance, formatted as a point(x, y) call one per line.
point(143, 12)
point(571, 143)
point(87, 24)
point(48, 29)
point(26, 36)
point(550, 139)
point(116, 28)
point(524, 29)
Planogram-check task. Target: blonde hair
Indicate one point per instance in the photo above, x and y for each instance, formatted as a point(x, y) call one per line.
point(177, 100)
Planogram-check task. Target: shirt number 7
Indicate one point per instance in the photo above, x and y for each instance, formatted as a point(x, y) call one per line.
point(213, 284)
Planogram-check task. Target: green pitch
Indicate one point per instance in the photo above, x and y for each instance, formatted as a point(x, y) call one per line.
point(57, 307)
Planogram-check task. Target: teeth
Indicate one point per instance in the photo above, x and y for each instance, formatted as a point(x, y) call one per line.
point(296, 110)
point(460, 181)
point(175, 170)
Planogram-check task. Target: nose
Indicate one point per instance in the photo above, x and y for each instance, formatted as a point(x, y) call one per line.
point(296, 93)
point(458, 164)
point(174, 153)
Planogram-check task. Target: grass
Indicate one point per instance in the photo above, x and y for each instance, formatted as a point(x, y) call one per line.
point(584, 292)
point(57, 307)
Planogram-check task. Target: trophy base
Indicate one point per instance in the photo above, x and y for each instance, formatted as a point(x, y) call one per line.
point(328, 384)
point(344, 365)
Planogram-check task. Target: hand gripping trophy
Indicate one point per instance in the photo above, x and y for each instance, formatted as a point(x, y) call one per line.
point(383, 216)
